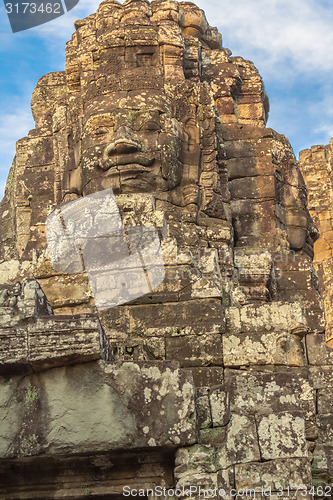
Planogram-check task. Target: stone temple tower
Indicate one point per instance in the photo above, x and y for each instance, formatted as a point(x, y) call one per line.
point(161, 324)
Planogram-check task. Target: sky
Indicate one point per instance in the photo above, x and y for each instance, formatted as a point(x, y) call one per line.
point(289, 41)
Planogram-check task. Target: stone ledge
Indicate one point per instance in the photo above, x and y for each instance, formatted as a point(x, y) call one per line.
point(37, 340)
point(52, 341)
point(131, 405)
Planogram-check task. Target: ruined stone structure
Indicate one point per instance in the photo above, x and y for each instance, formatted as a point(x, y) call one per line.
point(316, 165)
point(218, 378)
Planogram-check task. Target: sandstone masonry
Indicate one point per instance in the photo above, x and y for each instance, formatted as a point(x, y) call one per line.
point(220, 377)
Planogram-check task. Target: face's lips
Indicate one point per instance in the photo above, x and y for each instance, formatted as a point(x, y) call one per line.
point(143, 159)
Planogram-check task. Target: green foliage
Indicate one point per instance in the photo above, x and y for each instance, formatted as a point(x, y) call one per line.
point(27, 443)
point(31, 396)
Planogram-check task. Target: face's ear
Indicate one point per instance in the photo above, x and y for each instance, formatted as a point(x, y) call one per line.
point(297, 217)
point(192, 135)
point(190, 142)
point(75, 181)
point(71, 185)
point(190, 158)
point(69, 139)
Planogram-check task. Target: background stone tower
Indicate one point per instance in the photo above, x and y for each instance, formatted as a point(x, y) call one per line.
point(316, 165)
point(218, 378)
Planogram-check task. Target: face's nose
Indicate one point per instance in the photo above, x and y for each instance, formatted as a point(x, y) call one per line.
point(123, 142)
point(313, 230)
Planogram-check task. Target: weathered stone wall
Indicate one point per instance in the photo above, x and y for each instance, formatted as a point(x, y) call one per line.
point(222, 372)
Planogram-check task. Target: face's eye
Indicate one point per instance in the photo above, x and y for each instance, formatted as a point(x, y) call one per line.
point(99, 125)
point(148, 121)
point(150, 125)
point(101, 131)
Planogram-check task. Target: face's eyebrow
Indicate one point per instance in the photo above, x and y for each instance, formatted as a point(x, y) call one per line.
point(145, 110)
point(148, 113)
point(103, 118)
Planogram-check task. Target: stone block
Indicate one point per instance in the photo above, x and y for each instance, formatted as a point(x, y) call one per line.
point(282, 435)
point(253, 393)
point(13, 349)
point(294, 271)
point(225, 105)
point(115, 322)
point(241, 442)
point(307, 397)
point(293, 473)
point(239, 149)
point(204, 417)
point(275, 316)
point(155, 348)
point(176, 280)
point(138, 349)
point(243, 188)
point(55, 341)
point(325, 401)
point(254, 265)
point(22, 302)
point(47, 412)
point(207, 376)
point(219, 404)
point(251, 111)
point(314, 314)
point(311, 434)
point(203, 350)
point(34, 298)
point(67, 290)
point(325, 429)
point(262, 349)
point(180, 314)
point(241, 167)
point(206, 287)
point(195, 459)
point(195, 483)
point(184, 331)
point(216, 437)
point(323, 460)
point(226, 483)
point(321, 376)
point(40, 152)
point(318, 351)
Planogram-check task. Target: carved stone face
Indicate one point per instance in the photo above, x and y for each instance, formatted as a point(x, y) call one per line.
point(132, 145)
